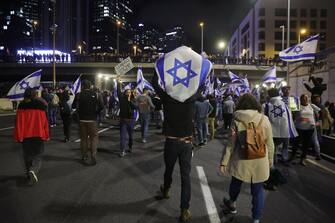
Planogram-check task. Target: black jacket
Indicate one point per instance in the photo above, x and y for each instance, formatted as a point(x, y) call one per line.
point(126, 107)
point(89, 104)
point(178, 116)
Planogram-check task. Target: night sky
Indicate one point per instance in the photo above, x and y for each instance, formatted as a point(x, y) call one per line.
point(221, 17)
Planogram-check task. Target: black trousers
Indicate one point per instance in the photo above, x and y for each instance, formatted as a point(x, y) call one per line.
point(305, 139)
point(66, 126)
point(33, 149)
point(227, 119)
point(174, 150)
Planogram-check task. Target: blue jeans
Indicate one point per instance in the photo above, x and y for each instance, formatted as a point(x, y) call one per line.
point(126, 127)
point(202, 129)
point(144, 121)
point(257, 193)
point(52, 115)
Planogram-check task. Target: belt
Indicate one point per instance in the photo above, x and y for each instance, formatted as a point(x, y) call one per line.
point(187, 139)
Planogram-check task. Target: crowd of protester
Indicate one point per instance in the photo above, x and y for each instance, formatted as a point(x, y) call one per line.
point(284, 121)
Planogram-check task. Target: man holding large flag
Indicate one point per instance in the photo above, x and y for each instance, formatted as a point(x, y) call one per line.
point(180, 77)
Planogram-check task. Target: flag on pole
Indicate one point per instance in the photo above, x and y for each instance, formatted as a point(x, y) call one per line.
point(270, 76)
point(233, 77)
point(148, 85)
point(303, 51)
point(140, 81)
point(181, 72)
point(76, 87)
point(33, 80)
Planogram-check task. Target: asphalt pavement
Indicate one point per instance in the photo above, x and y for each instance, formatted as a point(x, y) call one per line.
point(124, 189)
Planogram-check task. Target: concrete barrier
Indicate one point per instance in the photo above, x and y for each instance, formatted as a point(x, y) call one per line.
point(6, 104)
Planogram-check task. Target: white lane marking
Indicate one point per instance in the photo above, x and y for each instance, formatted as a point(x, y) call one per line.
point(329, 157)
point(206, 191)
point(10, 114)
point(329, 137)
point(102, 130)
point(321, 166)
point(7, 128)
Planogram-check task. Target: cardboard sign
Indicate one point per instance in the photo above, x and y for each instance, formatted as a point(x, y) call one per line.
point(125, 66)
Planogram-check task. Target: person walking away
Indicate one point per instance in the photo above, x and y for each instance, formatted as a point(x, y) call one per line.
point(236, 161)
point(332, 114)
point(305, 124)
point(202, 109)
point(212, 116)
point(89, 105)
point(127, 118)
point(159, 116)
point(53, 108)
point(327, 120)
point(281, 121)
point(144, 106)
point(31, 129)
point(65, 113)
point(228, 110)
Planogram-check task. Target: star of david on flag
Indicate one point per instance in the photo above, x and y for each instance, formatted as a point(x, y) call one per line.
point(33, 80)
point(277, 111)
point(181, 72)
point(303, 51)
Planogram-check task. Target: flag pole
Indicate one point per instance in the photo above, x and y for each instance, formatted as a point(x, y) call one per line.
point(288, 37)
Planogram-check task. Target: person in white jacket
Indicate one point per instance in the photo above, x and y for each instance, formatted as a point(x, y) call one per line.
point(281, 121)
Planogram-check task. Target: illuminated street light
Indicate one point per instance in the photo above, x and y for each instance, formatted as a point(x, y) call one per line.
point(202, 36)
point(135, 50)
point(301, 32)
point(221, 45)
point(100, 76)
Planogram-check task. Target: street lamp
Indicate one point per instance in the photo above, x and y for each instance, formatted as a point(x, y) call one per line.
point(301, 32)
point(221, 45)
point(282, 37)
point(79, 48)
point(118, 24)
point(34, 26)
point(135, 50)
point(202, 36)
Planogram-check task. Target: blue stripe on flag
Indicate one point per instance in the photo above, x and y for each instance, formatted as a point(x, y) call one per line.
point(206, 66)
point(306, 56)
point(160, 68)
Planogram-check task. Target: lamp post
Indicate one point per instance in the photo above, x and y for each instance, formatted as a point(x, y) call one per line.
point(118, 24)
point(34, 26)
point(135, 50)
point(282, 37)
point(202, 36)
point(53, 29)
point(301, 32)
point(288, 36)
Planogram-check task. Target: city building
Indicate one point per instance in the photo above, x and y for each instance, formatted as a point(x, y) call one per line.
point(109, 20)
point(146, 38)
point(260, 32)
point(171, 39)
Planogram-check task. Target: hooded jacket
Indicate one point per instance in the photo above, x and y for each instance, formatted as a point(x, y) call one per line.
point(249, 171)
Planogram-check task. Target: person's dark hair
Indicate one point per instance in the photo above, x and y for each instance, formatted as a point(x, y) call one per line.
point(29, 94)
point(86, 84)
point(201, 98)
point(273, 92)
point(327, 104)
point(248, 101)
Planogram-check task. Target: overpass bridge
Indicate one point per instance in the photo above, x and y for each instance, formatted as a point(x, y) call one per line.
point(68, 71)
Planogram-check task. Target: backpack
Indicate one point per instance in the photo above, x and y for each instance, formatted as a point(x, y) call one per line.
point(251, 140)
point(55, 100)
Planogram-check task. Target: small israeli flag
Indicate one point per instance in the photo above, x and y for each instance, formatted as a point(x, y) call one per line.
point(16, 93)
point(270, 76)
point(303, 51)
point(233, 77)
point(140, 81)
point(76, 87)
point(181, 72)
point(245, 84)
point(148, 85)
point(127, 87)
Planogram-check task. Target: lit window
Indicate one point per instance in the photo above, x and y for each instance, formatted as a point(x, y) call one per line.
point(12, 12)
point(5, 27)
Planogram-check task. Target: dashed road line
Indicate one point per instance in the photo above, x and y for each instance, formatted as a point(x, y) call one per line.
point(6, 128)
point(209, 201)
point(321, 166)
point(102, 130)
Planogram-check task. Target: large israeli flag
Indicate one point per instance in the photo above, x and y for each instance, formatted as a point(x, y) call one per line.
point(16, 93)
point(303, 51)
point(233, 77)
point(181, 72)
point(270, 76)
point(76, 87)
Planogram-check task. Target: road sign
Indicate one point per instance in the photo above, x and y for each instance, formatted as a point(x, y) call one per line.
point(125, 66)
